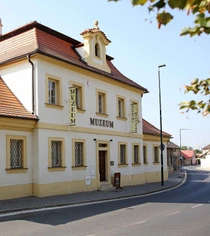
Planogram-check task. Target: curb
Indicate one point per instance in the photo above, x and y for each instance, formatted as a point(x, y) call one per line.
point(24, 210)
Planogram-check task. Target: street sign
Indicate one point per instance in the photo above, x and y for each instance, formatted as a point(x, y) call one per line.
point(162, 146)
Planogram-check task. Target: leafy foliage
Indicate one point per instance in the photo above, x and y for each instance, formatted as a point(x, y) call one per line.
point(200, 9)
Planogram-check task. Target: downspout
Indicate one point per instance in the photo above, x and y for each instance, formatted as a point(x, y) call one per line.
point(29, 60)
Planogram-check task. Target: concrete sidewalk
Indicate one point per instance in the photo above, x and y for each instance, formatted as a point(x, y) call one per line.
point(29, 203)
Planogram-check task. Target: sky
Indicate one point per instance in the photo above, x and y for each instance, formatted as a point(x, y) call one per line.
point(138, 47)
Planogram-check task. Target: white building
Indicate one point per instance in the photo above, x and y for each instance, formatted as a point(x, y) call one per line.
point(76, 119)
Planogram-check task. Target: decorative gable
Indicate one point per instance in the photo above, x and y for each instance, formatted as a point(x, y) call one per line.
point(94, 49)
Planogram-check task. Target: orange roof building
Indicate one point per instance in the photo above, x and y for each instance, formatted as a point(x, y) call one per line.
point(69, 119)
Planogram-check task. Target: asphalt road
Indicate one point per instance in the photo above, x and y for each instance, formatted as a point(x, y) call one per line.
point(179, 212)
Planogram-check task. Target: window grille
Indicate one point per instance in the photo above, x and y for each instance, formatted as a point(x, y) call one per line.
point(122, 154)
point(16, 153)
point(156, 159)
point(52, 92)
point(100, 103)
point(136, 154)
point(79, 153)
point(56, 153)
point(145, 154)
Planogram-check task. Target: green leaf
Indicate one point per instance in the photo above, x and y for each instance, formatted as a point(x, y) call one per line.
point(180, 4)
point(138, 2)
point(160, 4)
point(164, 18)
point(185, 31)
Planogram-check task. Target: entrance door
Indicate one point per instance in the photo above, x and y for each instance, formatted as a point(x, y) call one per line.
point(102, 165)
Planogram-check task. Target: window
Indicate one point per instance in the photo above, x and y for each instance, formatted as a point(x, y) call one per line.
point(145, 154)
point(122, 154)
point(97, 50)
point(79, 95)
point(101, 103)
point(120, 107)
point(16, 153)
point(79, 154)
point(56, 153)
point(53, 92)
point(56, 149)
point(136, 159)
point(156, 155)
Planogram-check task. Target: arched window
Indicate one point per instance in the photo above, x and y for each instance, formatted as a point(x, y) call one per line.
point(97, 50)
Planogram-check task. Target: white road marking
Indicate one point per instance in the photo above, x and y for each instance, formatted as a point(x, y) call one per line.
point(91, 235)
point(197, 205)
point(137, 223)
point(173, 213)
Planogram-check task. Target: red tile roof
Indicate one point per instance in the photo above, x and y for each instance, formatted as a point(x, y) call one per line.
point(152, 130)
point(10, 106)
point(94, 30)
point(36, 38)
point(187, 153)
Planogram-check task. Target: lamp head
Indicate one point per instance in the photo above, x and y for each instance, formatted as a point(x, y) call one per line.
point(161, 65)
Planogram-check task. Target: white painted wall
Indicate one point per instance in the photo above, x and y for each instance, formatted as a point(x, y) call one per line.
point(18, 77)
point(16, 178)
point(55, 116)
point(205, 163)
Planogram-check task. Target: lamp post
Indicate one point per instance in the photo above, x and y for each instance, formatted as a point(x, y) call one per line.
point(162, 147)
point(180, 139)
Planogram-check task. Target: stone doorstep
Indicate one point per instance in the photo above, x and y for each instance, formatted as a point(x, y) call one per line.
point(106, 187)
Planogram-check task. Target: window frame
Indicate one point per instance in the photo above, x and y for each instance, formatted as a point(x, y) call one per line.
point(133, 157)
point(24, 168)
point(119, 154)
point(104, 105)
point(62, 166)
point(84, 166)
point(79, 86)
point(58, 92)
point(132, 101)
point(155, 147)
point(122, 99)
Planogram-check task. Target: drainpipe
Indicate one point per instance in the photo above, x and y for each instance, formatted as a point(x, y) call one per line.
point(29, 60)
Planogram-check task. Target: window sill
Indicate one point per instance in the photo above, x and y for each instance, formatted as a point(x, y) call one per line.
point(102, 114)
point(121, 118)
point(16, 170)
point(156, 163)
point(60, 168)
point(136, 164)
point(49, 105)
point(80, 110)
point(122, 165)
point(79, 167)
point(146, 163)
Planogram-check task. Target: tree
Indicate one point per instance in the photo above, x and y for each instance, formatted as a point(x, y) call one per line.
point(183, 147)
point(197, 151)
point(200, 9)
point(190, 148)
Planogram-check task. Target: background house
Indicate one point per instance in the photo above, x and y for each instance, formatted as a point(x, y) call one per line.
point(188, 157)
point(173, 156)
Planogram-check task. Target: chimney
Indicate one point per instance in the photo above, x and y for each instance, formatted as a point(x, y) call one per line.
point(1, 27)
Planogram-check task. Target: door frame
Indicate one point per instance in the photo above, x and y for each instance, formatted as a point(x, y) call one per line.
point(106, 148)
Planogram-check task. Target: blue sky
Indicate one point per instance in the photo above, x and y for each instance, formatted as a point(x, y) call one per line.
point(138, 48)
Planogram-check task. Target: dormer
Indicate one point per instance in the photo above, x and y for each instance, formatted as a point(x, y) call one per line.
point(94, 49)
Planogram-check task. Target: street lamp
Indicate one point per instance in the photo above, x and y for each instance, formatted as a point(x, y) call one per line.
point(180, 139)
point(161, 131)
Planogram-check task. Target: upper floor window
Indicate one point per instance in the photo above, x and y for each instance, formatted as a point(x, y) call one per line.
point(120, 107)
point(79, 95)
point(97, 50)
point(101, 102)
point(53, 92)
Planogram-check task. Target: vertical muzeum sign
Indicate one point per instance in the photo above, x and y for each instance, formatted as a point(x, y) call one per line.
point(73, 107)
